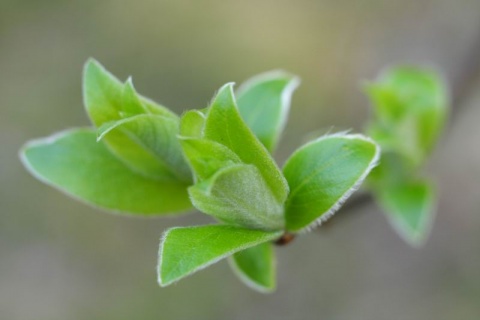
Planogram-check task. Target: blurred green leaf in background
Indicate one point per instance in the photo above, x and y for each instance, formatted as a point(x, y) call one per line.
point(410, 107)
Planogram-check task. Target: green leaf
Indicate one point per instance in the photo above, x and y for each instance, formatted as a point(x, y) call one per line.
point(75, 163)
point(264, 102)
point(409, 207)
point(206, 157)
point(225, 125)
point(192, 124)
point(322, 174)
point(102, 93)
point(107, 99)
point(238, 195)
point(131, 103)
point(148, 144)
point(110, 105)
point(255, 266)
point(410, 111)
point(184, 251)
point(391, 169)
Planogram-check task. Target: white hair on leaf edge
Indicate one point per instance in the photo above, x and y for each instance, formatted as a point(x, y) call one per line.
point(267, 237)
point(337, 205)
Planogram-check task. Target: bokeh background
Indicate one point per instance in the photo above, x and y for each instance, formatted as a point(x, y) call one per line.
point(60, 259)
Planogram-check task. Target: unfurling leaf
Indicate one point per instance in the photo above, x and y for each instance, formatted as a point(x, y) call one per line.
point(238, 195)
point(236, 179)
point(225, 125)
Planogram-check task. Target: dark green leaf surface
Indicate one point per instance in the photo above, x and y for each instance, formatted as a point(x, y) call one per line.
point(410, 208)
point(322, 174)
point(264, 102)
point(225, 125)
point(255, 266)
point(184, 251)
point(75, 163)
point(238, 195)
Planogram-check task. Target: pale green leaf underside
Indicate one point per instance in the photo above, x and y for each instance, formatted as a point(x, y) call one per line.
point(410, 209)
point(75, 163)
point(264, 102)
point(238, 195)
point(255, 266)
point(184, 251)
point(225, 125)
point(150, 146)
point(322, 174)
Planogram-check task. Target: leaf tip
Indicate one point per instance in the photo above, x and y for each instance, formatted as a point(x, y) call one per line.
point(160, 279)
point(129, 84)
point(224, 97)
point(22, 155)
point(90, 66)
point(225, 92)
point(292, 81)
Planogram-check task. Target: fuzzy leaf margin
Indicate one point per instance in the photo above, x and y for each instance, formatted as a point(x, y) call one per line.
point(264, 103)
point(74, 162)
point(185, 250)
point(322, 174)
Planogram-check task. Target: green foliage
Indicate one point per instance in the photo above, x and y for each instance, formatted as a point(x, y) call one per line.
point(322, 174)
point(141, 158)
point(74, 162)
point(409, 206)
point(264, 101)
point(139, 132)
point(186, 250)
point(256, 266)
point(410, 108)
point(223, 124)
point(241, 185)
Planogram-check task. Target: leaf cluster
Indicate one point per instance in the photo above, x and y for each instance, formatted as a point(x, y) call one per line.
point(410, 107)
point(140, 158)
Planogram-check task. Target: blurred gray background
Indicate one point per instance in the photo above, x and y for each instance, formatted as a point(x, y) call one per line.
point(60, 259)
